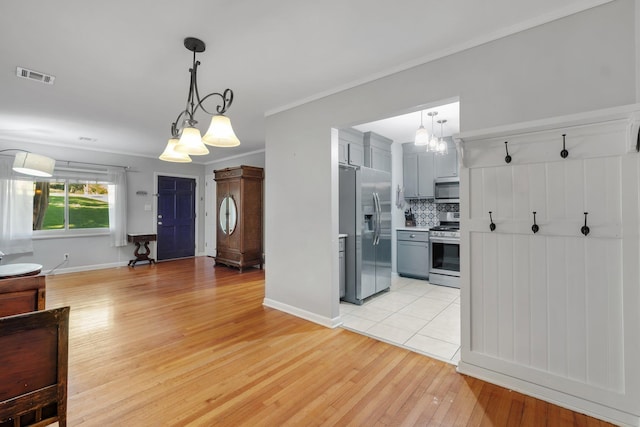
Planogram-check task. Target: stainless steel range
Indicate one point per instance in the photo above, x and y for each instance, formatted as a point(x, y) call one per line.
point(444, 245)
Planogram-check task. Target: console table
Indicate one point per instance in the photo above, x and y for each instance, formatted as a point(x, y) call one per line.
point(141, 239)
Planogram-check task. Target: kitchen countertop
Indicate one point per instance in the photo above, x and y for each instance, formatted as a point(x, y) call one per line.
point(412, 229)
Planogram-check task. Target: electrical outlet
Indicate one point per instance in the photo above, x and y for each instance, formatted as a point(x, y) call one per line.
point(65, 257)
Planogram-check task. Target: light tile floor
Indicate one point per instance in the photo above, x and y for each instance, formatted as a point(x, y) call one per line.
point(414, 314)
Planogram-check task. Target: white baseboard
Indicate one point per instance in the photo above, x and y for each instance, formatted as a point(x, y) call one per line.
point(564, 400)
point(304, 314)
point(86, 268)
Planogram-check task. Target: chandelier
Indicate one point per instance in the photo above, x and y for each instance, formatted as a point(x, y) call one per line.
point(185, 138)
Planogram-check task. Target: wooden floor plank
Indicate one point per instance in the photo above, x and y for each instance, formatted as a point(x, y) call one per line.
point(185, 343)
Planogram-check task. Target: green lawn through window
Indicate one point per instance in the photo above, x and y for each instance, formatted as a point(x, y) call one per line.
point(84, 212)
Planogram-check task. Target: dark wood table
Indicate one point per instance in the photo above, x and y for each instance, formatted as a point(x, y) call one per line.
point(139, 239)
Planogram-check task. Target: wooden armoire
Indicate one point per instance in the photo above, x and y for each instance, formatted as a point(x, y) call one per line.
point(239, 213)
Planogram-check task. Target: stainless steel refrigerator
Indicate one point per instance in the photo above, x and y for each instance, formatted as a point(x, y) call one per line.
point(365, 216)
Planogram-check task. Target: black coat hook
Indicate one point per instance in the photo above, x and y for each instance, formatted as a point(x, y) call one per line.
point(585, 230)
point(492, 226)
point(564, 153)
point(506, 148)
point(534, 227)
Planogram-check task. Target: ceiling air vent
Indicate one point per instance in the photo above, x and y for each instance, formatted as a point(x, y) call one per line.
point(35, 75)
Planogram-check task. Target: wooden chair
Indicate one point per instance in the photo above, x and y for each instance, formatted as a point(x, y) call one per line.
point(33, 368)
point(21, 295)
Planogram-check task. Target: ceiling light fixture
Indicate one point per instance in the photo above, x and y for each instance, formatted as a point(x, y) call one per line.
point(433, 141)
point(443, 147)
point(32, 164)
point(220, 132)
point(422, 136)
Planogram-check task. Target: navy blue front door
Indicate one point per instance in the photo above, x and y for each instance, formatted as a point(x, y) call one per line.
point(176, 217)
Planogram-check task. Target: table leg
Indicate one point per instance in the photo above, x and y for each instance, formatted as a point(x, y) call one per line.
point(141, 256)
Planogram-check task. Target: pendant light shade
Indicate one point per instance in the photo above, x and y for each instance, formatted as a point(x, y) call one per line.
point(443, 147)
point(220, 133)
point(171, 155)
point(432, 145)
point(34, 164)
point(191, 142)
point(422, 136)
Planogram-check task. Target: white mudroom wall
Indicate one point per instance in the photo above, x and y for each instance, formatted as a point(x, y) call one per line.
point(555, 311)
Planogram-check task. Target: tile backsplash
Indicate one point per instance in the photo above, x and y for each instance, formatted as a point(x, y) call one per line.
point(425, 211)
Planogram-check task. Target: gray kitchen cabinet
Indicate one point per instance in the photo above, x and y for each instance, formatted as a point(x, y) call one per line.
point(418, 172)
point(413, 253)
point(343, 151)
point(350, 147)
point(410, 174)
point(343, 265)
point(356, 154)
point(447, 165)
point(377, 151)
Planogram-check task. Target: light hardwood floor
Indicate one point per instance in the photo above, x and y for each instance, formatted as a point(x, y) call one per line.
point(184, 343)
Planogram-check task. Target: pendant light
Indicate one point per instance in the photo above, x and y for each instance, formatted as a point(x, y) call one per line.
point(433, 141)
point(190, 141)
point(422, 136)
point(443, 147)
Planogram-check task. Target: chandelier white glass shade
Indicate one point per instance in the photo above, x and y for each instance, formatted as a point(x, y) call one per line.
point(443, 147)
point(190, 142)
point(422, 136)
point(432, 145)
point(220, 132)
point(171, 155)
point(33, 164)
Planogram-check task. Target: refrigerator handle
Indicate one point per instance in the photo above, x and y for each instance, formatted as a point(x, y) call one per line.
point(379, 218)
point(378, 222)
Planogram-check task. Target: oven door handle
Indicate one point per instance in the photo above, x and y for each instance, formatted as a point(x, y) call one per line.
point(452, 241)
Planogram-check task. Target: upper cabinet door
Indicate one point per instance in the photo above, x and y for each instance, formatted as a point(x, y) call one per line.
point(425, 175)
point(410, 174)
point(447, 165)
point(343, 151)
point(350, 147)
point(356, 154)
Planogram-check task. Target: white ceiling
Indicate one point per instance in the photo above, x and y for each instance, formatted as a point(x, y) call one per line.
point(403, 128)
point(122, 71)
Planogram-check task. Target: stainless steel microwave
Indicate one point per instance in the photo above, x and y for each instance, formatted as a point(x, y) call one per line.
point(447, 190)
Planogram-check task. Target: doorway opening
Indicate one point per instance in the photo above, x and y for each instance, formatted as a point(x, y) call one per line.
point(415, 313)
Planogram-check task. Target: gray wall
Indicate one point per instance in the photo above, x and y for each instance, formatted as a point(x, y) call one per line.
point(580, 63)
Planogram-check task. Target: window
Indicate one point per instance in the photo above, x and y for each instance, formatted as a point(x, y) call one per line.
point(70, 204)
